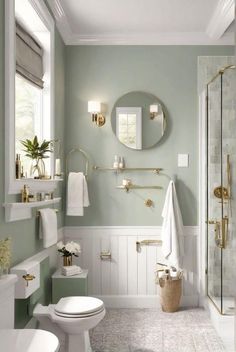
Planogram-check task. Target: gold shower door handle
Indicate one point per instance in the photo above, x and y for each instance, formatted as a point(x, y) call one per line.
point(225, 230)
point(221, 231)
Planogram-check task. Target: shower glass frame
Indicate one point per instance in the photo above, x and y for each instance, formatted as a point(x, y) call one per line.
point(217, 223)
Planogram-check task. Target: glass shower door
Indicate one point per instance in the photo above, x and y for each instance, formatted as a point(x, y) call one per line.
point(214, 178)
point(221, 203)
point(228, 201)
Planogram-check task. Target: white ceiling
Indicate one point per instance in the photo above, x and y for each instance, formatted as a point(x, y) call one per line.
point(144, 21)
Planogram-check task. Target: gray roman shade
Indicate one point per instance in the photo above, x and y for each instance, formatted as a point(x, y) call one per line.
point(29, 57)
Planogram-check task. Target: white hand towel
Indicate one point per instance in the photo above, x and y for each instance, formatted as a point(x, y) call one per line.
point(48, 227)
point(70, 268)
point(172, 228)
point(77, 194)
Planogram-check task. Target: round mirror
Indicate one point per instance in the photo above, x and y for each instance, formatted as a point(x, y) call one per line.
point(138, 120)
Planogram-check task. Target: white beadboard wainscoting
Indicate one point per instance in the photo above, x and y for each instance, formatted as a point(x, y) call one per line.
point(128, 280)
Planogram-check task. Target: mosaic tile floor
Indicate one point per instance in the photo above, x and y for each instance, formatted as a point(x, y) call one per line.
point(151, 330)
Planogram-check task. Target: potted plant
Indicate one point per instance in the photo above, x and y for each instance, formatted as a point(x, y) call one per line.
point(5, 255)
point(37, 152)
point(68, 250)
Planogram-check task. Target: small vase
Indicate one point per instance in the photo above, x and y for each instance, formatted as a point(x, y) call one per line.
point(67, 261)
point(37, 169)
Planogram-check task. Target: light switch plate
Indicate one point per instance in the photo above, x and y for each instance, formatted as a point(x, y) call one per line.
point(182, 160)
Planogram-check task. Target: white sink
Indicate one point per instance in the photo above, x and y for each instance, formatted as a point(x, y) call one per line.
point(28, 340)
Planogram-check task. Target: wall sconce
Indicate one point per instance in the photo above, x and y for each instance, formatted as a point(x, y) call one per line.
point(94, 107)
point(153, 111)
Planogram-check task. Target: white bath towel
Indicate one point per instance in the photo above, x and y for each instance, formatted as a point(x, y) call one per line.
point(48, 227)
point(172, 229)
point(77, 194)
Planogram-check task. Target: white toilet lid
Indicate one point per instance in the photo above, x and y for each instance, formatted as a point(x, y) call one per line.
point(28, 340)
point(78, 306)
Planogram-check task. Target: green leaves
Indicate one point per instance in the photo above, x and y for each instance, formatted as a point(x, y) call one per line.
point(36, 151)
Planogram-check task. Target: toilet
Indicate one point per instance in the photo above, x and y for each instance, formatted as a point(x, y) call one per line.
point(75, 316)
point(20, 340)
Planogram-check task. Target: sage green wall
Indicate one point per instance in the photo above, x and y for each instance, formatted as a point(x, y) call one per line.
point(105, 73)
point(24, 234)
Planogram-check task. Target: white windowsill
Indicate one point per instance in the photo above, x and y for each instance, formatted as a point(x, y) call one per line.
point(20, 211)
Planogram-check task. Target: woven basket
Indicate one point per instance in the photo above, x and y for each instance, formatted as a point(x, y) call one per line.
point(170, 294)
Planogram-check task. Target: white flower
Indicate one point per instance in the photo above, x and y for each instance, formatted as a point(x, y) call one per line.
point(69, 247)
point(60, 245)
point(77, 247)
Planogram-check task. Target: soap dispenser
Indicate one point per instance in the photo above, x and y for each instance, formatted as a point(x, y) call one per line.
point(121, 162)
point(25, 194)
point(116, 162)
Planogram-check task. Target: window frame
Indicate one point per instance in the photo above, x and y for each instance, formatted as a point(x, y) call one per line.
point(13, 185)
point(138, 112)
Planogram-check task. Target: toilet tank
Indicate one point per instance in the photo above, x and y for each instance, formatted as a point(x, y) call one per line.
point(7, 301)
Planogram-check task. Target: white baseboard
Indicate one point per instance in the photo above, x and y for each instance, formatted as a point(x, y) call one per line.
point(122, 301)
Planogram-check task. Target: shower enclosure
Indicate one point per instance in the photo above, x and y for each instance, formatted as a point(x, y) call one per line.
point(221, 190)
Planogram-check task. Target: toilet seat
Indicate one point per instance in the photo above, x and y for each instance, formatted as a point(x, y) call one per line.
point(78, 307)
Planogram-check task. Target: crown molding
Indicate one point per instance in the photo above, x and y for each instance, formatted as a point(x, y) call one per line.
point(62, 22)
point(222, 17)
point(181, 38)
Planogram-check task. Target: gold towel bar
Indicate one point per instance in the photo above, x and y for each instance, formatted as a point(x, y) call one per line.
point(146, 243)
point(38, 212)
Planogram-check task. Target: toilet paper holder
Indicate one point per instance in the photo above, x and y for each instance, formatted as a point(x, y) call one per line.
point(105, 255)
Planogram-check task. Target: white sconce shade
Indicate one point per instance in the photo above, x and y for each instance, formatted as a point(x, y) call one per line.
point(154, 108)
point(94, 107)
point(153, 111)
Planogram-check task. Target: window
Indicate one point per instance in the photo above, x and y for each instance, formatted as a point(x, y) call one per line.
point(29, 86)
point(28, 116)
point(129, 126)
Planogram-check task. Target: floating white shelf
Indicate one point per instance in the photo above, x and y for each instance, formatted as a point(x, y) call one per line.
point(35, 185)
point(20, 211)
point(155, 170)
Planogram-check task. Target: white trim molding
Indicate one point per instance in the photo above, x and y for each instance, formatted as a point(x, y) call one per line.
point(202, 186)
point(47, 39)
point(222, 17)
point(63, 24)
point(143, 301)
point(128, 279)
point(181, 38)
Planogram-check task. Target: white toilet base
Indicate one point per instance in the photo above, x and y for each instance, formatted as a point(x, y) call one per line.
point(79, 343)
